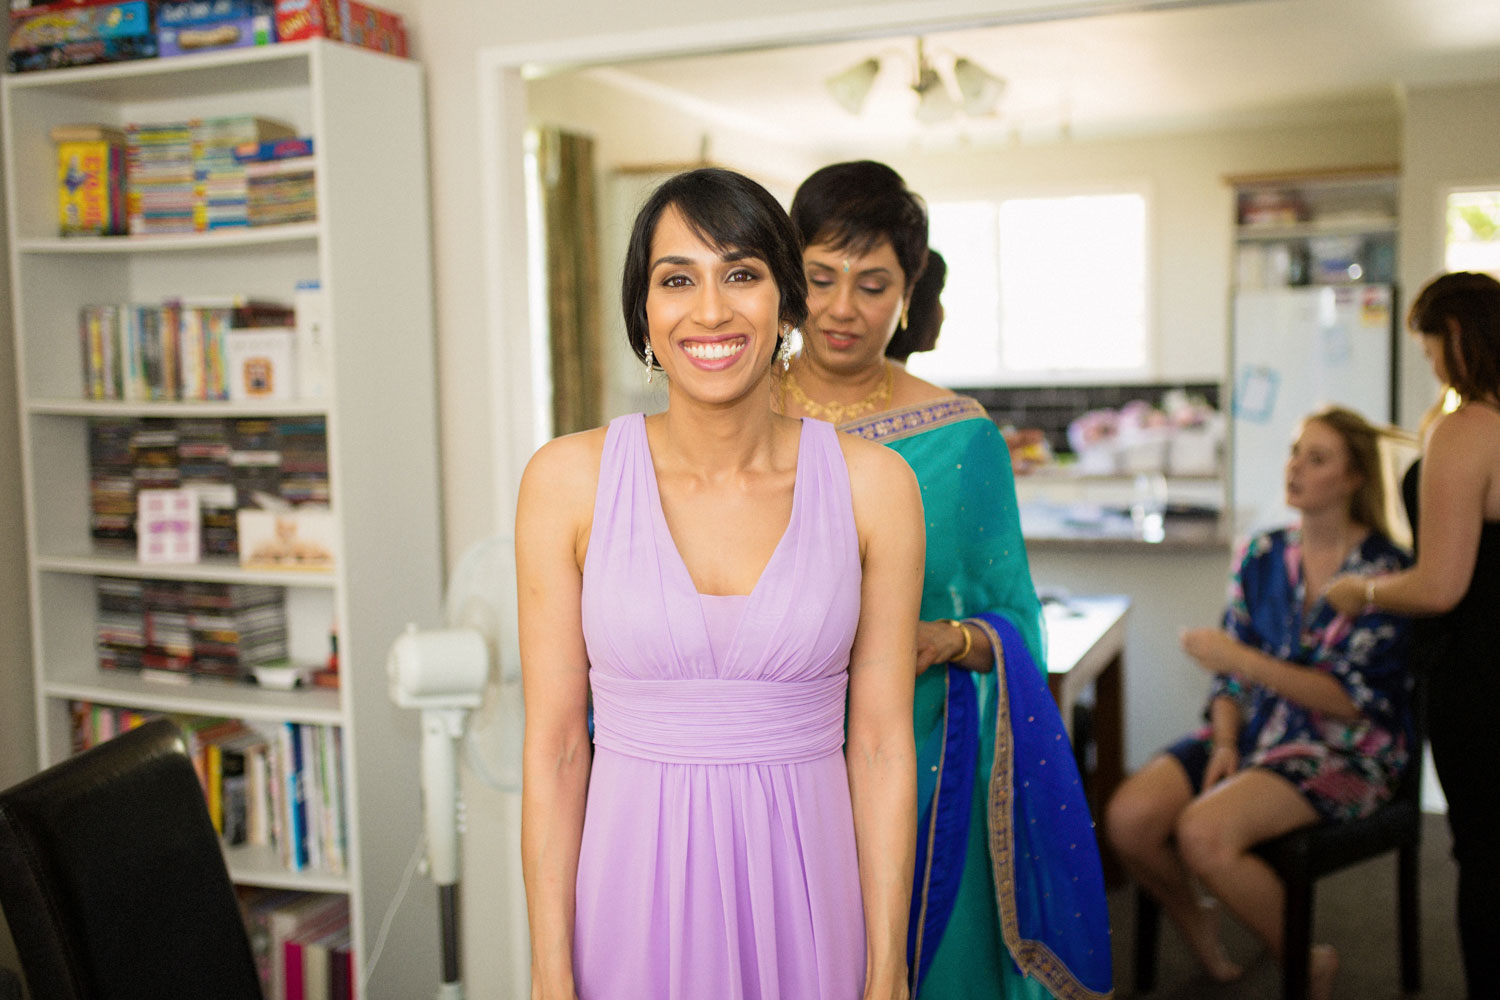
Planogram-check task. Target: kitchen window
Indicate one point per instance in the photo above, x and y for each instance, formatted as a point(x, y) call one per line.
point(1041, 289)
point(1473, 242)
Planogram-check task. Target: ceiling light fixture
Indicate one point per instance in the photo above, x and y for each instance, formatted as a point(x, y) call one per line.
point(852, 86)
point(979, 90)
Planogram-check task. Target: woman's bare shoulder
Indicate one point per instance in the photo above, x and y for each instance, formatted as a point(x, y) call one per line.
point(1471, 427)
point(873, 467)
point(565, 471)
point(908, 390)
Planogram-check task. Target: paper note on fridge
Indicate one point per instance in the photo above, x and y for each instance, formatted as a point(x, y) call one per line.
point(1255, 396)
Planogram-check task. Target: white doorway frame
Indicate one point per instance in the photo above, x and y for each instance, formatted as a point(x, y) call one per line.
point(516, 370)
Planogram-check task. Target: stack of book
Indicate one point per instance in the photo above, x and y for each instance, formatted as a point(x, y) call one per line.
point(281, 181)
point(93, 723)
point(277, 785)
point(254, 460)
point(167, 351)
point(112, 483)
point(235, 627)
point(167, 629)
point(301, 943)
point(99, 330)
point(153, 455)
point(176, 630)
point(120, 628)
point(160, 187)
point(203, 465)
point(304, 459)
point(221, 190)
point(230, 464)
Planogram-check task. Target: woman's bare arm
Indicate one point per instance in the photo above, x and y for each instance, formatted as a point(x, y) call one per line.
point(1457, 467)
point(552, 516)
point(881, 749)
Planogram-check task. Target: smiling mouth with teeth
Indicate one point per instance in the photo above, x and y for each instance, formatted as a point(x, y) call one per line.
point(715, 351)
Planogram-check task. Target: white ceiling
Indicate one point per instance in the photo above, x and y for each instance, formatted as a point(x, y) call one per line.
point(1178, 69)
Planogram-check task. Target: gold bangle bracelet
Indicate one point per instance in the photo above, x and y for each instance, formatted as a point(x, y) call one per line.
point(968, 638)
point(1370, 591)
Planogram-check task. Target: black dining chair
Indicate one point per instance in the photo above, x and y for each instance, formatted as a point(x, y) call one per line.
point(113, 881)
point(1303, 856)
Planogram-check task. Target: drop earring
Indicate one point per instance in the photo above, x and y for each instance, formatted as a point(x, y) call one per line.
point(784, 354)
point(650, 363)
point(903, 317)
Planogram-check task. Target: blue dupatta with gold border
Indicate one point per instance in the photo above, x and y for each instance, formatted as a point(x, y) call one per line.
point(1007, 863)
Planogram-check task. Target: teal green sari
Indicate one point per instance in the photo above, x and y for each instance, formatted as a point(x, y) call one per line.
point(1008, 898)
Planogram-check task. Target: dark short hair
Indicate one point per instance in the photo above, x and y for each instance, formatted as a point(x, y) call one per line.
point(1471, 301)
point(853, 206)
point(923, 312)
point(728, 211)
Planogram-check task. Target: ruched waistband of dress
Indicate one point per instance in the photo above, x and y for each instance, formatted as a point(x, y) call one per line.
point(711, 721)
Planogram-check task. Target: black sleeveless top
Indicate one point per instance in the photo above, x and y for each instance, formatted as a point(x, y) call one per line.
point(1469, 633)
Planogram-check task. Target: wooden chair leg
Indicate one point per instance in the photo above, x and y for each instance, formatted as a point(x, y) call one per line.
point(1147, 925)
point(1296, 938)
point(1408, 901)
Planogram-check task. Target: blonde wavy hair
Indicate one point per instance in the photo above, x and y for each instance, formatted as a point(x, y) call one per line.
point(1362, 442)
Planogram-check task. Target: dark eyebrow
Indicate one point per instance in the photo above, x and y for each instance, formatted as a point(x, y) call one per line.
point(728, 257)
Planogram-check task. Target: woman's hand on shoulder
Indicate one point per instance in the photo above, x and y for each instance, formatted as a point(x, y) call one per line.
point(1346, 594)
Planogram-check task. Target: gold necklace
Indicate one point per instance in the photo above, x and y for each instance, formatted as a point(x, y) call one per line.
point(837, 413)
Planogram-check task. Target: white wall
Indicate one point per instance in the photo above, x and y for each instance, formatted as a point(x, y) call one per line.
point(1452, 140)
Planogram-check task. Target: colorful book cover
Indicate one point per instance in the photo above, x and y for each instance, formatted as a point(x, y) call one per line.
point(91, 187)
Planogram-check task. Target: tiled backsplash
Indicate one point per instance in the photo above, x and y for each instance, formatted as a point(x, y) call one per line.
point(1052, 408)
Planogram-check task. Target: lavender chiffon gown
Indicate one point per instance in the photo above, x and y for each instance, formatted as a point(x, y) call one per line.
point(718, 841)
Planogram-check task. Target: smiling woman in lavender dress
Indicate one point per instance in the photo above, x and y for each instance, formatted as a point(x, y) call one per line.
point(719, 579)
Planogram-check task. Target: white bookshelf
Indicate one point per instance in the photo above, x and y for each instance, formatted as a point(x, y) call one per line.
point(370, 248)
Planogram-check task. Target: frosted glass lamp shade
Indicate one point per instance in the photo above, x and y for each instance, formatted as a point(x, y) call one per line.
point(852, 86)
point(934, 104)
point(979, 88)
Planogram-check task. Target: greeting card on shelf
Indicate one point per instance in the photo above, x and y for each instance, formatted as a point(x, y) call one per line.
point(167, 526)
point(304, 537)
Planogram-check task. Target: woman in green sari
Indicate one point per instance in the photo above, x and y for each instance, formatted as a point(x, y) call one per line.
point(1008, 898)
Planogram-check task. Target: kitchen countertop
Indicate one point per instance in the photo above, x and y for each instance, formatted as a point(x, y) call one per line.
point(1084, 526)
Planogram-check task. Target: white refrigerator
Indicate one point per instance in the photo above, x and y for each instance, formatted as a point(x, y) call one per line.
point(1292, 351)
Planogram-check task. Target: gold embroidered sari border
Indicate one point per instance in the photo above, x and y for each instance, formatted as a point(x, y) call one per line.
point(1032, 957)
point(906, 421)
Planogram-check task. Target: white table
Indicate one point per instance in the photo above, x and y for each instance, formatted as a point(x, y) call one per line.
point(1086, 646)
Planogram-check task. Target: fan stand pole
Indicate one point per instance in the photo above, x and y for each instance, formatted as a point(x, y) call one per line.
point(441, 728)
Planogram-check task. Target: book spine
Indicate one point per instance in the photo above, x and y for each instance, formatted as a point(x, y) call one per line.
point(297, 797)
point(91, 332)
point(214, 757)
point(292, 970)
point(312, 795)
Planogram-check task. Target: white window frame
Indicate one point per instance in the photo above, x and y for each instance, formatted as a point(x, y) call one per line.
point(1000, 377)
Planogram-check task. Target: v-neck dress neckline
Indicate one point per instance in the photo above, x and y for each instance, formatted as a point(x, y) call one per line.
point(660, 516)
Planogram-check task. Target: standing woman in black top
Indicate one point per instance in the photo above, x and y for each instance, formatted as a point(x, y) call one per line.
point(1457, 580)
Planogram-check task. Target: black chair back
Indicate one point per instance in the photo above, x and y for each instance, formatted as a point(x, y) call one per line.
point(113, 882)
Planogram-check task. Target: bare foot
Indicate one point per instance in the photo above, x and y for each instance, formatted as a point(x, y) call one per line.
point(1322, 966)
point(1203, 938)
